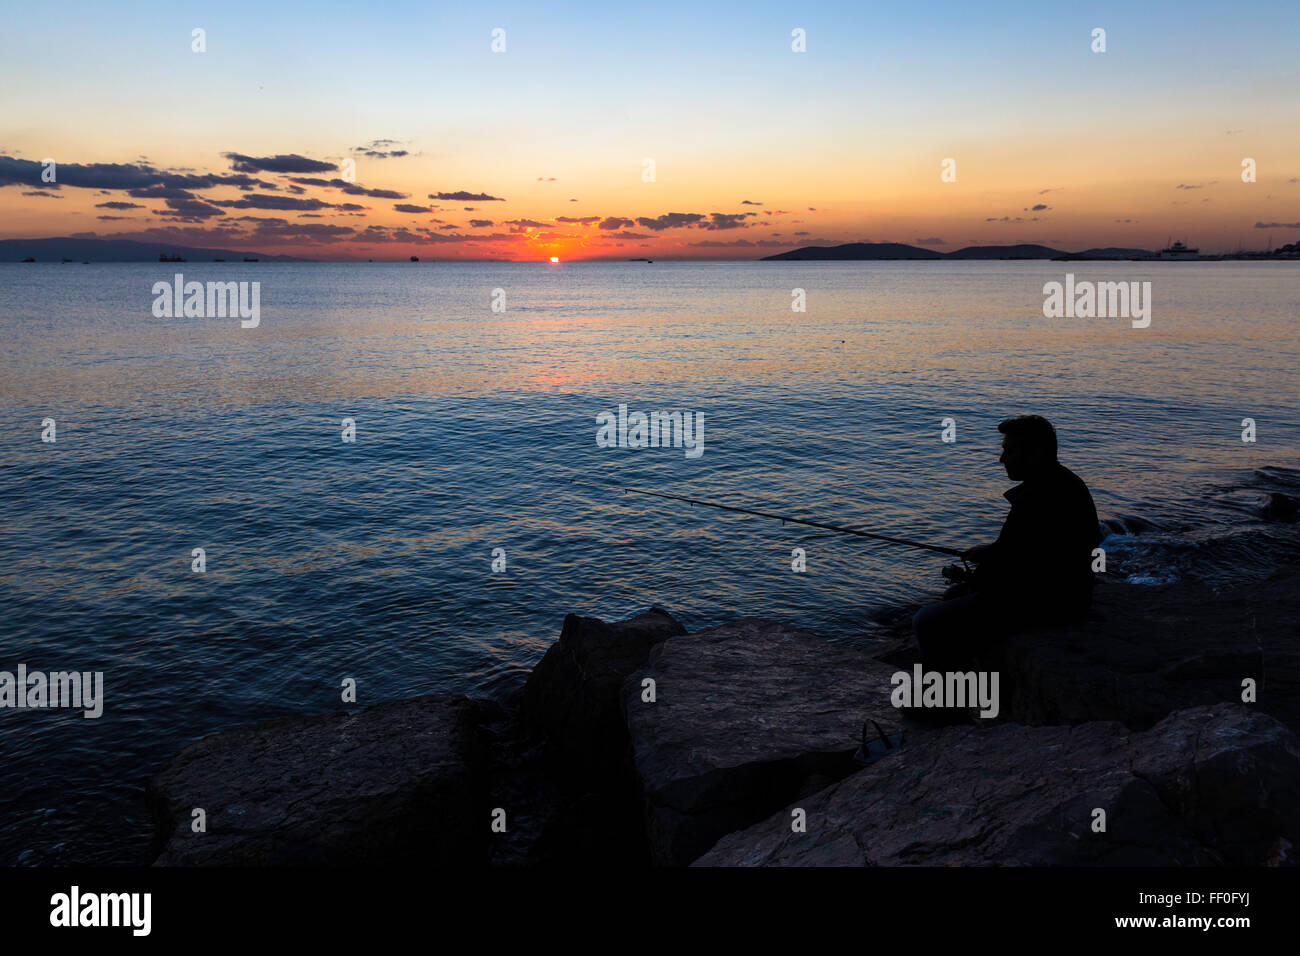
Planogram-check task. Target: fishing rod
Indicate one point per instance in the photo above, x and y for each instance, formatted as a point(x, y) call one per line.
point(938, 549)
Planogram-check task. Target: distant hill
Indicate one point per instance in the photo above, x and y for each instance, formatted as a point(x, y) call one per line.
point(1111, 252)
point(1006, 252)
point(858, 250)
point(898, 250)
point(117, 250)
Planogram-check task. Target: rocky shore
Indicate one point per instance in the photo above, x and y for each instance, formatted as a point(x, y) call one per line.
point(636, 743)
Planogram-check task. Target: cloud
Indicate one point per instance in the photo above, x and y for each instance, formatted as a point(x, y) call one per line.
point(191, 210)
point(1196, 185)
point(45, 195)
point(408, 207)
point(546, 179)
point(1277, 225)
point(115, 176)
point(291, 163)
point(613, 222)
point(932, 241)
point(583, 220)
point(728, 220)
point(748, 202)
point(518, 225)
point(1038, 207)
point(379, 149)
point(272, 202)
point(466, 197)
point(480, 223)
point(671, 220)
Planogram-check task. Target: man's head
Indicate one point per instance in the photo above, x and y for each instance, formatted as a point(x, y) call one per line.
point(1028, 446)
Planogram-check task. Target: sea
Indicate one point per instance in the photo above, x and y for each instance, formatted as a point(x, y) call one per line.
point(440, 548)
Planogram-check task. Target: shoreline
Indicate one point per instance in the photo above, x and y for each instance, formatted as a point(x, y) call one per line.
point(578, 767)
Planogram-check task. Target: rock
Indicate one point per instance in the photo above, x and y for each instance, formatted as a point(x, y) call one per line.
point(1147, 651)
point(394, 783)
point(747, 717)
point(572, 696)
point(1210, 785)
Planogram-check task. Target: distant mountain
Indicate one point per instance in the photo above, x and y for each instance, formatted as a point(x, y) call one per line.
point(1111, 252)
point(858, 250)
point(117, 250)
point(1006, 252)
point(898, 250)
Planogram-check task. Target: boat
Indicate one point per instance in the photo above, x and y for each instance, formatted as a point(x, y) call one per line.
point(1178, 250)
point(415, 258)
point(66, 259)
point(163, 257)
point(250, 258)
point(29, 259)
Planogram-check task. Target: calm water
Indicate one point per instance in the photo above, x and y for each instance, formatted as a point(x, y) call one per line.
point(372, 560)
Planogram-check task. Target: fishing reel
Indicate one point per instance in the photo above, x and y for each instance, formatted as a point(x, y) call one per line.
point(958, 573)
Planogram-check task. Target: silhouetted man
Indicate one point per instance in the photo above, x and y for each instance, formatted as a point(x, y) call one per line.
point(1039, 570)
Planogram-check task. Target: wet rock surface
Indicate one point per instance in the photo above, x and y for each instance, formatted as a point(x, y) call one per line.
point(394, 782)
point(1210, 785)
point(746, 717)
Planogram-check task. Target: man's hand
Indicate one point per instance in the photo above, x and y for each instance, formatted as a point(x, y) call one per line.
point(978, 553)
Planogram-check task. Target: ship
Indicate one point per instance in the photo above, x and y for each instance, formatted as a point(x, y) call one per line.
point(163, 257)
point(250, 258)
point(1178, 250)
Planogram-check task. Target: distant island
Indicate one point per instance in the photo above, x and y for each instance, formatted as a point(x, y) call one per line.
point(899, 250)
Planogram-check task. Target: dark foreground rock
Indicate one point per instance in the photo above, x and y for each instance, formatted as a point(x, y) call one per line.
point(393, 783)
point(572, 696)
point(1211, 785)
point(747, 717)
point(1148, 651)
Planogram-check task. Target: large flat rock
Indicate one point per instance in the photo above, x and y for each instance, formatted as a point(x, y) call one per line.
point(747, 717)
point(1210, 785)
point(1147, 651)
point(393, 783)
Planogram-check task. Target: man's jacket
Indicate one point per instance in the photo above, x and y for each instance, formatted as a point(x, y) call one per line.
point(1040, 568)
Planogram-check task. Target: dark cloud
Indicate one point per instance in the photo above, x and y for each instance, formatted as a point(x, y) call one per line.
point(45, 195)
point(480, 223)
point(191, 210)
point(466, 197)
point(671, 220)
point(272, 202)
point(613, 222)
point(747, 202)
point(1277, 225)
point(728, 220)
point(581, 220)
point(291, 163)
point(408, 207)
